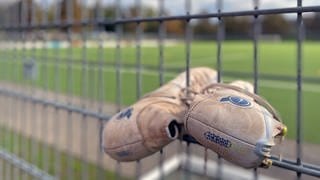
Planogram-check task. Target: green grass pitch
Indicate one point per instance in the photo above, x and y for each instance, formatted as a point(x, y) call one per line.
point(277, 58)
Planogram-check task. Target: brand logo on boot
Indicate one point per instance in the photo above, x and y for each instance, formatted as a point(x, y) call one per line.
point(125, 113)
point(217, 139)
point(235, 100)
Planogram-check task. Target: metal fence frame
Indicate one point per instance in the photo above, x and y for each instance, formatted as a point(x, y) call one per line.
point(23, 100)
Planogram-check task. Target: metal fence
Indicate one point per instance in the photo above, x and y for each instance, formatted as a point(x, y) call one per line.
point(57, 89)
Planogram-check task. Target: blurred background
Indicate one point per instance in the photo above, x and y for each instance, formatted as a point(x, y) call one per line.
point(67, 66)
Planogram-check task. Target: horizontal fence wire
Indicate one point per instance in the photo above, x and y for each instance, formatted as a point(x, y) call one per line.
point(24, 165)
point(257, 12)
point(303, 168)
point(55, 104)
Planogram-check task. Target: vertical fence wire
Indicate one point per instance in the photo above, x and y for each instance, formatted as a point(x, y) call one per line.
point(220, 38)
point(19, 104)
point(299, 28)
point(3, 111)
point(15, 111)
point(57, 88)
point(9, 135)
point(118, 57)
point(14, 103)
point(10, 103)
point(256, 32)
point(16, 120)
point(101, 85)
point(36, 126)
point(118, 61)
point(4, 55)
point(84, 95)
point(188, 36)
point(138, 67)
point(160, 38)
point(6, 99)
point(69, 19)
point(35, 149)
point(139, 32)
point(24, 104)
point(45, 80)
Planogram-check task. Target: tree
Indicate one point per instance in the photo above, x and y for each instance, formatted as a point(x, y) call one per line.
point(151, 27)
point(275, 24)
point(22, 12)
point(109, 13)
point(131, 12)
point(204, 27)
point(237, 25)
point(145, 11)
point(176, 27)
point(75, 16)
point(312, 23)
point(173, 27)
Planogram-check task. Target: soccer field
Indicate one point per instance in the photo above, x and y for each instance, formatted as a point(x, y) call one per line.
point(276, 58)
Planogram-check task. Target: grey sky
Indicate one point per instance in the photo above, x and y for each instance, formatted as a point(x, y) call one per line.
point(177, 6)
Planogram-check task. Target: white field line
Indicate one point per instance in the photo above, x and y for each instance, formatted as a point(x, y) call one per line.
point(230, 58)
point(307, 87)
point(126, 70)
point(149, 43)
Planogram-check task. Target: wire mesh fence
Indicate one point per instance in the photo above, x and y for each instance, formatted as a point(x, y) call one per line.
point(67, 66)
